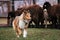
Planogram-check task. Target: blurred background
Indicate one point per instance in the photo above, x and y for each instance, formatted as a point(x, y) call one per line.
point(7, 6)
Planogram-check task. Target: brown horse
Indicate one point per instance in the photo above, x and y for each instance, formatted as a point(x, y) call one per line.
point(53, 12)
point(36, 14)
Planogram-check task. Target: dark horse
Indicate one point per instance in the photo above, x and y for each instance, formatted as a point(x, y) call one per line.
point(11, 16)
point(53, 12)
point(36, 14)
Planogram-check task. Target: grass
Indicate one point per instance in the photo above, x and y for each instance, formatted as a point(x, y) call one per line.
point(33, 34)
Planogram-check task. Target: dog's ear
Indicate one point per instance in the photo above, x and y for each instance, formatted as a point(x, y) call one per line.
point(25, 11)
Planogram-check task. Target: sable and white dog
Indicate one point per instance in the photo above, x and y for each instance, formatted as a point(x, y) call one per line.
point(20, 23)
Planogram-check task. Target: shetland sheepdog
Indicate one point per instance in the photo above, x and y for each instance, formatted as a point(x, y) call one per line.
point(20, 23)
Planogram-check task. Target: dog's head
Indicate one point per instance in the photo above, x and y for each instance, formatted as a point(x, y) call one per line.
point(27, 15)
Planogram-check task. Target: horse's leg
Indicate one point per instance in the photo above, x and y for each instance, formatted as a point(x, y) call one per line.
point(42, 22)
point(36, 21)
point(54, 21)
point(36, 24)
point(46, 22)
point(59, 19)
point(29, 24)
point(8, 21)
point(59, 23)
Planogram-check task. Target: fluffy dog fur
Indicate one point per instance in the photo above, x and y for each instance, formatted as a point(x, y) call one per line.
point(20, 23)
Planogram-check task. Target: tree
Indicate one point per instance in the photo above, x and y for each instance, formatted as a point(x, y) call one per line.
point(58, 1)
point(34, 2)
point(12, 5)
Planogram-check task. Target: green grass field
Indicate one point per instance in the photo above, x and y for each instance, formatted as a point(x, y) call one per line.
point(33, 34)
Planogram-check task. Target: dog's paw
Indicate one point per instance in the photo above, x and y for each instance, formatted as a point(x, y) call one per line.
point(24, 36)
point(18, 36)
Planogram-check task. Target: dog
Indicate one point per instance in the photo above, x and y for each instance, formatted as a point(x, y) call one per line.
point(20, 23)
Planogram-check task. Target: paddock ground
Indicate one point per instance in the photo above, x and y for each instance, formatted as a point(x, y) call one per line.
point(8, 33)
point(4, 23)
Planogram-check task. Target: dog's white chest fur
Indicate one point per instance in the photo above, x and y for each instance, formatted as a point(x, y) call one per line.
point(21, 24)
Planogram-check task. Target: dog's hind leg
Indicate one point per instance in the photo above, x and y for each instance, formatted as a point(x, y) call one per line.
point(17, 33)
point(20, 31)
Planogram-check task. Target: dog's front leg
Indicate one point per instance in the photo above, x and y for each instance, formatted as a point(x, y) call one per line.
point(24, 33)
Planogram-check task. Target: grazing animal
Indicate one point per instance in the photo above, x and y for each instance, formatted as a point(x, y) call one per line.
point(11, 16)
point(45, 16)
point(36, 14)
point(20, 23)
point(53, 12)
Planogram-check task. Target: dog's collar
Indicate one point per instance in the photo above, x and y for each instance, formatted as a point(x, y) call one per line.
point(26, 21)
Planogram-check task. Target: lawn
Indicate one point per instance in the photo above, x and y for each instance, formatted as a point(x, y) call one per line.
point(33, 34)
